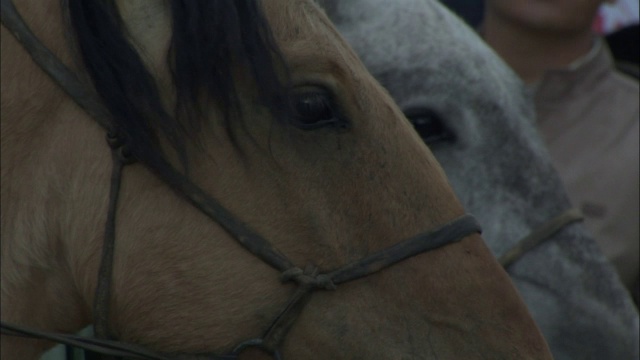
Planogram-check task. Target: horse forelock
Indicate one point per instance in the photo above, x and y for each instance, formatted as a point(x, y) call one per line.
point(210, 41)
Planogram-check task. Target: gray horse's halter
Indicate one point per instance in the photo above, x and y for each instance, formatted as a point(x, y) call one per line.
point(540, 235)
point(307, 280)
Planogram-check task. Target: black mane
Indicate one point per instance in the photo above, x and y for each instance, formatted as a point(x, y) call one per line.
point(210, 37)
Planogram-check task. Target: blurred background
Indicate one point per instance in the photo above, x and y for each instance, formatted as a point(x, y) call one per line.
point(617, 21)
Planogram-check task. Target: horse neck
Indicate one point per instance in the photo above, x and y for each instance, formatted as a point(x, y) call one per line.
point(44, 140)
point(31, 101)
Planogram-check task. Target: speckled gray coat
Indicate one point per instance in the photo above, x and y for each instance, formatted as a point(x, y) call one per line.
point(428, 59)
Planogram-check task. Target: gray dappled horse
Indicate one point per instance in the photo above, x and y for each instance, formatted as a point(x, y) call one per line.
point(474, 115)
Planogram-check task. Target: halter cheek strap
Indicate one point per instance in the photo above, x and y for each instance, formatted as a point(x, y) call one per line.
point(540, 235)
point(121, 156)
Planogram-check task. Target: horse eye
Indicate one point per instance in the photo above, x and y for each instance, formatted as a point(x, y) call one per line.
point(316, 109)
point(430, 126)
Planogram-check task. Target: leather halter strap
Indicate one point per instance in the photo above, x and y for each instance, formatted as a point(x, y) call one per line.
point(307, 280)
point(105, 347)
point(540, 235)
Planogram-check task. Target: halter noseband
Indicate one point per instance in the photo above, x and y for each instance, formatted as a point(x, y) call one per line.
point(308, 279)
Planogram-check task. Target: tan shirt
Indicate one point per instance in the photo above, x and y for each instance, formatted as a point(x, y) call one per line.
point(589, 116)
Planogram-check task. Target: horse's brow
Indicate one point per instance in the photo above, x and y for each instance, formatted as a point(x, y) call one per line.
point(316, 59)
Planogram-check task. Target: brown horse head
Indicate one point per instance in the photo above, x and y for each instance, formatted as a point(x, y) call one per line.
point(275, 117)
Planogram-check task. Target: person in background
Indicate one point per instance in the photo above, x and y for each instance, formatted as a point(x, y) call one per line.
point(617, 21)
point(588, 113)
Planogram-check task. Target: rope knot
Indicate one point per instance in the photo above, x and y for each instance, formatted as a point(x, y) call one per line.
point(308, 277)
point(120, 146)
